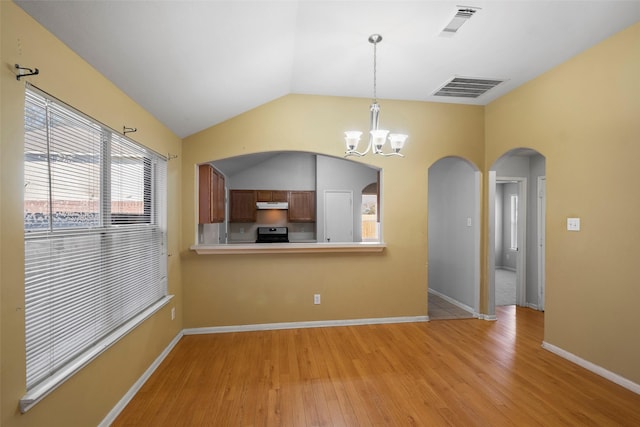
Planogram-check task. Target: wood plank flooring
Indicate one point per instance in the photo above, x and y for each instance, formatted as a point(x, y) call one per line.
point(458, 373)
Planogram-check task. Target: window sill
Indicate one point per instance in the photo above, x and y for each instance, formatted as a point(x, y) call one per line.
point(40, 391)
point(279, 248)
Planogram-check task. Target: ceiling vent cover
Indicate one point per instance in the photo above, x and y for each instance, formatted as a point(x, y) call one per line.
point(463, 14)
point(467, 87)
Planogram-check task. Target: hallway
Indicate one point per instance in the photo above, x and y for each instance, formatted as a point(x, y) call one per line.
point(505, 287)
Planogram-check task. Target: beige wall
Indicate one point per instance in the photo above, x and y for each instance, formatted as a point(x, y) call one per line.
point(89, 395)
point(247, 289)
point(584, 116)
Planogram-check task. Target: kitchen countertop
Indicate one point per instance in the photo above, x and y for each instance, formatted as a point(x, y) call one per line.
point(308, 247)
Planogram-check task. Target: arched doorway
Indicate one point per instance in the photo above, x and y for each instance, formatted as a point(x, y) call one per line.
point(454, 235)
point(515, 253)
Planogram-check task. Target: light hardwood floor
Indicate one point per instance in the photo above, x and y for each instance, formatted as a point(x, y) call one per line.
point(460, 373)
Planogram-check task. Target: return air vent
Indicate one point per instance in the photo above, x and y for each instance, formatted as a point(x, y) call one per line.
point(463, 14)
point(467, 87)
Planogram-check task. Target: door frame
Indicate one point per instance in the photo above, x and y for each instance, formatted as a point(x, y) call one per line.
point(477, 176)
point(542, 224)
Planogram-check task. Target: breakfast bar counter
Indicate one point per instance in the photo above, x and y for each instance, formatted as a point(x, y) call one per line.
point(270, 248)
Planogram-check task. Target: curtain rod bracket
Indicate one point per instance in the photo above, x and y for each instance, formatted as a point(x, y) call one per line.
point(171, 156)
point(25, 72)
point(126, 130)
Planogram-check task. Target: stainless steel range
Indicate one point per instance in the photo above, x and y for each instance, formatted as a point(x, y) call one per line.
point(273, 235)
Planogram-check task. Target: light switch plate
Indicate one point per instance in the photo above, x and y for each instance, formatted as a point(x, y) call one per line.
point(573, 224)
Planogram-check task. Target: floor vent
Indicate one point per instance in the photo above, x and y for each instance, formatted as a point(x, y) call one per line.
point(467, 87)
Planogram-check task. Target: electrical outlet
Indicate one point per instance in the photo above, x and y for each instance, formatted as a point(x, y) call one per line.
point(316, 299)
point(173, 313)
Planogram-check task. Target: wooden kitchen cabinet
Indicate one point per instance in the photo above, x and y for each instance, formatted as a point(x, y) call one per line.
point(219, 206)
point(210, 195)
point(242, 205)
point(302, 206)
point(272, 196)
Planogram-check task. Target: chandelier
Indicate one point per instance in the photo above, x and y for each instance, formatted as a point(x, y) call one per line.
point(377, 137)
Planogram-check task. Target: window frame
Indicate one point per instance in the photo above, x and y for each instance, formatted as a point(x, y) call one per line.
point(139, 229)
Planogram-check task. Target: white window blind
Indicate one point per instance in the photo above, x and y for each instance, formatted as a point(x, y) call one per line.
point(94, 220)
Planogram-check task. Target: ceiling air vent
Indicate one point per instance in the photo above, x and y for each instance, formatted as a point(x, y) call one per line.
point(463, 14)
point(467, 87)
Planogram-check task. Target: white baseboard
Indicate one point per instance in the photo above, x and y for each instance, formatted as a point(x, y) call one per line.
point(113, 414)
point(491, 317)
point(599, 370)
point(532, 306)
point(299, 325)
point(456, 303)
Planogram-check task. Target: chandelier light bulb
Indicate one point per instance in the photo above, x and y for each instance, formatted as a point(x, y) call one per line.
point(378, 138)
point(352, 138)
point(397, 141)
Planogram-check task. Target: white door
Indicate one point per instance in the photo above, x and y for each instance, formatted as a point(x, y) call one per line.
point(338, 216)
point(542, 208)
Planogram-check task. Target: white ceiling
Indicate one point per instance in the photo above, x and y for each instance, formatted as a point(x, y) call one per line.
point(194, 64)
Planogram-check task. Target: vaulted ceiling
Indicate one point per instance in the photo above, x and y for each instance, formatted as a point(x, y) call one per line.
point(194, 64)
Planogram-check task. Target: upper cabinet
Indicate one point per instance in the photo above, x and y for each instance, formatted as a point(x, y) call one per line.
point(302, 206)
point(272, 196)
point(210, 195)
point(242, 205)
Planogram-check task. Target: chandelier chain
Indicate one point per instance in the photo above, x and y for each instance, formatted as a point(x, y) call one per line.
point(375, 96)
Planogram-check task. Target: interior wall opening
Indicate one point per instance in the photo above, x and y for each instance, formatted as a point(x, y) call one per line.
point(453, 239)
point(516, 230)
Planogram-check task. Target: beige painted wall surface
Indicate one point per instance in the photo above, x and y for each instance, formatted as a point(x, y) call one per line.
point(88, 396)
point(584, 116)
point(250, 289)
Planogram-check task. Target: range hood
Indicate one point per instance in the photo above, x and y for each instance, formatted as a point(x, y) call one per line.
point(272, 205)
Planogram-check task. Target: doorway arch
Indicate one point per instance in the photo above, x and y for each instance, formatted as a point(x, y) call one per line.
point(525, 170)
point(453, 267)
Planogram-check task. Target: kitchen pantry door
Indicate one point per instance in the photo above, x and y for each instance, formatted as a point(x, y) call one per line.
point(338, 216)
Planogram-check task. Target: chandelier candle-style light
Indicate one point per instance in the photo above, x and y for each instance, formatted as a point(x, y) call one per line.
point(377, 137)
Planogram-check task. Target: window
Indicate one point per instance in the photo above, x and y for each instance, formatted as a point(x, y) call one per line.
point(94, 223)
point(370, 224)
point(370, 214)
point(514, 222)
